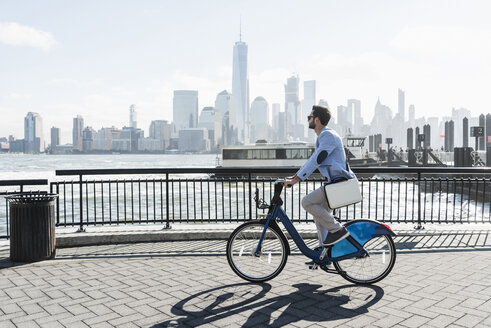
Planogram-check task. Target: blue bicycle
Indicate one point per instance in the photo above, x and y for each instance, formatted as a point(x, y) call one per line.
point(258, 250)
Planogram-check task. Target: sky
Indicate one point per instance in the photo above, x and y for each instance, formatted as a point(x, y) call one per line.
point(96, 58)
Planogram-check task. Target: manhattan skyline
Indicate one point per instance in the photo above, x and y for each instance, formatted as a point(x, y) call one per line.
point(62, 60)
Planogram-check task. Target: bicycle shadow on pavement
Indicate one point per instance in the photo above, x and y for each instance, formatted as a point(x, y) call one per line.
point(252, 307)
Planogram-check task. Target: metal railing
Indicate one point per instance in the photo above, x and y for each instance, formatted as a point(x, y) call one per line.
point(198, 195)
point(8, 187)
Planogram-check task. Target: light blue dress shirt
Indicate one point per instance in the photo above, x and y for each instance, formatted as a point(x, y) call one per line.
point(331, 167)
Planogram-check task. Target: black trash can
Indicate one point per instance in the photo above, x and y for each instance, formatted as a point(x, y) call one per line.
point(32, 227)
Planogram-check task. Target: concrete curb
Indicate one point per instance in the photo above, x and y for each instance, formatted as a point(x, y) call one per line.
point(77, 239)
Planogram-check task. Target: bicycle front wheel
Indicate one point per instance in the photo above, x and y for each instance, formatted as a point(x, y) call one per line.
point(249, 264)
point(372, 268)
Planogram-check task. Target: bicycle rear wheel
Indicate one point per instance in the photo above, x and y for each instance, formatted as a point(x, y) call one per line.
point(252, 266)
point(372, 268)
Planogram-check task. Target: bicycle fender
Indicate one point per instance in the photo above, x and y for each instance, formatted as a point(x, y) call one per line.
point(276, 227)
point(362, 230)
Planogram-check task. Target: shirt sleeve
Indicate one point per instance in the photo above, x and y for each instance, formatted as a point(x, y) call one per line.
point(325, 144)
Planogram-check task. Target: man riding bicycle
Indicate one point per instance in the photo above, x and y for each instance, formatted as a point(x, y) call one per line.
point(330, 159)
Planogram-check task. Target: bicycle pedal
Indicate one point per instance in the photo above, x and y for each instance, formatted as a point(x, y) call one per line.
point(314, 266)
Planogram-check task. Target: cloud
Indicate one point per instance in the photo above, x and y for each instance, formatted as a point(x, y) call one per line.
point(20, 35)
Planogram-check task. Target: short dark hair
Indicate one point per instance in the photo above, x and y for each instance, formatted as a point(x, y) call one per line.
point(323, 113)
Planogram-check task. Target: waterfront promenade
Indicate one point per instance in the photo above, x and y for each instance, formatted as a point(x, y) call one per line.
point(441, 279)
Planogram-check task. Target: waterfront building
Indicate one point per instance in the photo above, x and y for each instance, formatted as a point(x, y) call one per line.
point(185, 109)
point(260, 128)
point(88, 136)
point(323, 102)
point(78, 126)
point(458, 115)
point(160, 130)
point(342, 120)
point(309, 100)
point(104, 137)
point(411, 116)
point(133, 116)
point(151, 145)
point(211, 120)
point(194, 140)
point(357, 121)
point(240, 88)
point(225, 105)
point(401, 104)
point(128, 140)
point(33, 133)
point(381, 119)
point(436, 142)
point(55, 138)
point(16, 145)
point(293, 108)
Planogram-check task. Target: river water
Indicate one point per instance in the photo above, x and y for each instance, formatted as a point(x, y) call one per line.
point(27, 166)
point(378, 205)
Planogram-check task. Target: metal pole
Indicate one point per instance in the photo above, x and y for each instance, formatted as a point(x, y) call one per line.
point(81, 228)
point(419, 226)
point(250, 196)
point(167, 224)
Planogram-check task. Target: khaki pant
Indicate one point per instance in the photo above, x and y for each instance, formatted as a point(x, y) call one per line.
point(315, 203)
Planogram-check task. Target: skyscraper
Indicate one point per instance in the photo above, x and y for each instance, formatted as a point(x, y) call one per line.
point(401, 104)
point(309, 100)
point(292, 104)
point(133, 116)
point(355, 106)
point(240, 88)
point(411, 116)
point(185, 109)
point(225, 105)
point(78, 126)
point(292, 108)
point(33, 133)
point(55, 137)
point(259, 119)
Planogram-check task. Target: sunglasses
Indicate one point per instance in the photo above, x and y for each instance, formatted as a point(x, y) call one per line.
point(309, 117)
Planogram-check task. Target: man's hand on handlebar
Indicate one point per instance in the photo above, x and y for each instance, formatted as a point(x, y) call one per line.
point(290, 181)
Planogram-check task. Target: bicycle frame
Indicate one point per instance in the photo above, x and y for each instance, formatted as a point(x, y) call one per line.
point(278, 213)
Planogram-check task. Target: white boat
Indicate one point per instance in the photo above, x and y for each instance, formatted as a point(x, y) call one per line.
point(292, 154)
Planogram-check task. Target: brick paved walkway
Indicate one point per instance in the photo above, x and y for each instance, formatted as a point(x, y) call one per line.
point(437, 282)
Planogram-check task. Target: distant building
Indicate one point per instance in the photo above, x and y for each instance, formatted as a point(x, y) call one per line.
point(104, 137)
point(78, 126)
point(309, 100)
point(55, 138)
point(128, 140)
point(185, 109)
point(33, 133)
point(133, 116)
point(194, 140)
point(292, 107)
point(211, 120)
point(240, 89)
point(16, 145)
point(401, 106)
point(225, 106)
point(161, 130)
point(260, 127)
point(411, 116)
point(381, 120)
point(357, 120)
point(88, 136)
point(4, 145)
